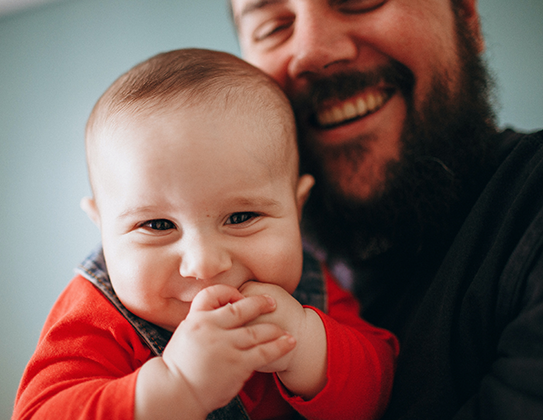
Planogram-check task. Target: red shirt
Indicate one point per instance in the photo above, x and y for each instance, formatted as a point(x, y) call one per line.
point(88, 357)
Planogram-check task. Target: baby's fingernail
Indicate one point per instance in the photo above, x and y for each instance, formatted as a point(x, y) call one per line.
point(270, 300)
point(289, 339)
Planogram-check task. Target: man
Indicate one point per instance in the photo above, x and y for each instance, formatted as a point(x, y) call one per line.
point(438, 216)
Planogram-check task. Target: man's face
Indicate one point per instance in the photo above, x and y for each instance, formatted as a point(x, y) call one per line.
point(356, 72)
point(192, 198)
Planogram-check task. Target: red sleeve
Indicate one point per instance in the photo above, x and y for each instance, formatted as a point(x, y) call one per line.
point(361, 363)
point(86, 361)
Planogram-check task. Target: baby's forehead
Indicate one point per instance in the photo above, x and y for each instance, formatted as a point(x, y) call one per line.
point(131, 153)
point(259, 107)
point(267, 128)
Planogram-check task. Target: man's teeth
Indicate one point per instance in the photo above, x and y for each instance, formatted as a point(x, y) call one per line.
point(348, 110)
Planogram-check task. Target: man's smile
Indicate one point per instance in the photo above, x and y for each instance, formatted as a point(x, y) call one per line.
point(367, 102)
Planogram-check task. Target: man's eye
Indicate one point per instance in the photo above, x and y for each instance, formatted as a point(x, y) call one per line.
point(271, 28)
point(237, 218)
point(359, 6)
point(159, 224)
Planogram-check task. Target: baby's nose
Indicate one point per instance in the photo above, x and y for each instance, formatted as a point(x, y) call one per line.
point(204, 259)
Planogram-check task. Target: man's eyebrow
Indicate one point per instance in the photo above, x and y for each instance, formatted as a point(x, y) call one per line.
point(256, 5)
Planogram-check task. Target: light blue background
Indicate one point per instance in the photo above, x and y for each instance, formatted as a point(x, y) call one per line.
point(56, 60)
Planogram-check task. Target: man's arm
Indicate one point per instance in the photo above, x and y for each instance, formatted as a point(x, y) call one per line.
point(513, 388)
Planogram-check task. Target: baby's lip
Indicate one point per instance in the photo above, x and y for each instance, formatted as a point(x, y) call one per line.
point(189, 292)
point(334, 112)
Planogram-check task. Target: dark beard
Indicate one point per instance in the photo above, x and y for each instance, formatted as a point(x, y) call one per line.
point(426, 195)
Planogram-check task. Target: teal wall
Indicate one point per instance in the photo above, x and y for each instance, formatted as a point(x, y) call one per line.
point(514, 50)
point(56, 60)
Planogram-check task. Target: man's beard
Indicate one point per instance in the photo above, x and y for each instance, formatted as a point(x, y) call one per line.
point(445, 150)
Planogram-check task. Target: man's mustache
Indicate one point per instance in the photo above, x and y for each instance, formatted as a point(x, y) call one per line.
point(344, 85)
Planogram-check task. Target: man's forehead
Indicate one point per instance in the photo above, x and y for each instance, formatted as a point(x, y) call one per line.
point(242, 8)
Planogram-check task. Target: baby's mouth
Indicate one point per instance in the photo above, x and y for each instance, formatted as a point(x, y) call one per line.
point(367, 102)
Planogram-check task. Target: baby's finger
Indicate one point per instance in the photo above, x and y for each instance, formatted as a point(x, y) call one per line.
point(214, 297)
point(251, 336)
point(245, 310)
point(267, 353)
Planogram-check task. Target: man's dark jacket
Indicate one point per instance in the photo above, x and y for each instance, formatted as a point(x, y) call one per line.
point(470, 320)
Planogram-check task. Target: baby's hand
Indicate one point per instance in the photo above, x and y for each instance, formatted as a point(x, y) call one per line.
point(290, 316)
point(215, 352)
point(303, 370)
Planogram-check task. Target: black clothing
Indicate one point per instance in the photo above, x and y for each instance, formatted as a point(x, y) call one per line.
point(469, 313)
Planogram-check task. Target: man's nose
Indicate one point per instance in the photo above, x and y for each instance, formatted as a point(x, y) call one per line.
point(321, 41)
point(203, 257)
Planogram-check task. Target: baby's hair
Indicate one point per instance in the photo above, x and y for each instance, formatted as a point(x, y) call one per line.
point(191, 77)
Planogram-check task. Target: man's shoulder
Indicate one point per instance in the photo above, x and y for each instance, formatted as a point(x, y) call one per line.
point(513, 143)
point(502, 230)
point(505, 226)
point(520, 163)
point(518, 185)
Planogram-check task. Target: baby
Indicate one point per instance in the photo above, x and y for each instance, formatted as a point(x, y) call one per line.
point(193, 164)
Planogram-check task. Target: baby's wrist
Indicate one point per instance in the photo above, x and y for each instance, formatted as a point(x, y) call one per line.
point(306, 372)
point(162, 391)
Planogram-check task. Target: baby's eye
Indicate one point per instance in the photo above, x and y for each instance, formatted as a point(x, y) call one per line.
point(242, 217)
point(159, 224)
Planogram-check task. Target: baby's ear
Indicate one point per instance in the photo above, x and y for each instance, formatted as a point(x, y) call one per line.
point(305, 183)
point(88, 205)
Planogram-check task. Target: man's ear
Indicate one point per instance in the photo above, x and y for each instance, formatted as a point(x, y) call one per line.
point(469, 12)
point(305, 183)
point(88, 205)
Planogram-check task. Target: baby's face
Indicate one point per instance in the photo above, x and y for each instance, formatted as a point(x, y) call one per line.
point(186, 200)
